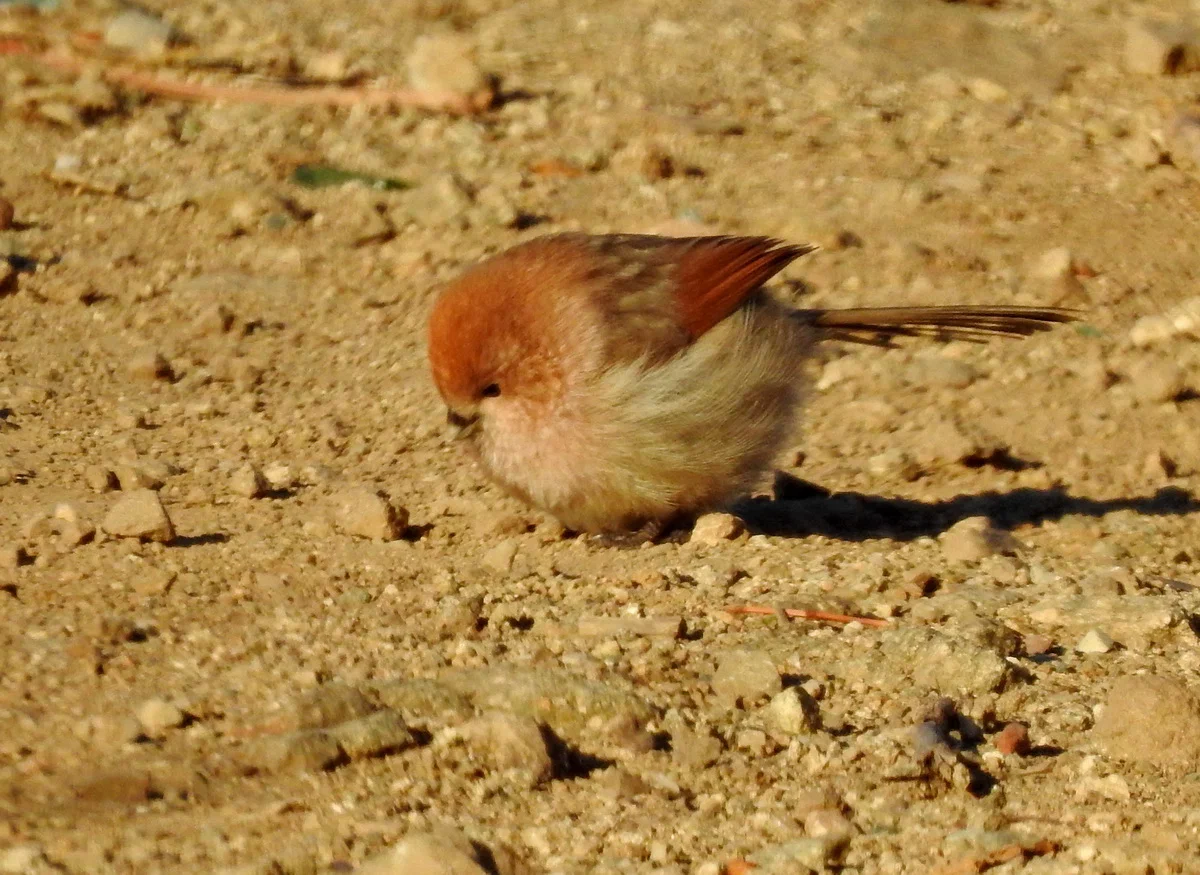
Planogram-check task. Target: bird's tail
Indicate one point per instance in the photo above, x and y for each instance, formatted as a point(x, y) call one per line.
point(880, 326)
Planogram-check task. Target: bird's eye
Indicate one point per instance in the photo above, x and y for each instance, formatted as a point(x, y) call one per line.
point(491, 390)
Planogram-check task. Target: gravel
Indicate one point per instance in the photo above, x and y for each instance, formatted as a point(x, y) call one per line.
point(356, 644)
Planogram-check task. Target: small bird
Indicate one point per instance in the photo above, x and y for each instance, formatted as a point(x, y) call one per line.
point(625, 382)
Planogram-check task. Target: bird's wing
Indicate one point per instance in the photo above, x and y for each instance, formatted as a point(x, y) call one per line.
point(717, 274)
point(664, 292)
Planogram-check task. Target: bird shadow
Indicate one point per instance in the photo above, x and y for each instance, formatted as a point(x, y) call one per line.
point(855, 516)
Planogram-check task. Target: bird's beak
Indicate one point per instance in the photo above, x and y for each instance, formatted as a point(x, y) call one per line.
point(461, 426)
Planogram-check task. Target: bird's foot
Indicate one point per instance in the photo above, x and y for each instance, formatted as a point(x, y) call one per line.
point(674, 530)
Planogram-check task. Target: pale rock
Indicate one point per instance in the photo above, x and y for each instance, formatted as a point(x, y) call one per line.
point(367, 513)
point(1157, 47)
point(248, 482)
point(156, 716)
point(440, 852)
point(138, 31)
point(445, 62)
point(500, 557)
point(139, 514)
point(744, 677)
point(1150, 718)
point(714, 528)
point(149, 365)
point(793, 712)
point(1156, 382)
point(507, 742)
point(1095, 641)
point(975, 538)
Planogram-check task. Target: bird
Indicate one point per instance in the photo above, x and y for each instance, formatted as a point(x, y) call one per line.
point(626, 383)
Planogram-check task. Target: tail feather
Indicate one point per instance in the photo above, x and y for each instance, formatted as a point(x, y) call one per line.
point(880, 326)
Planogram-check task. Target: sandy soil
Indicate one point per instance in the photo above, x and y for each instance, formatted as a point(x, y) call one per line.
point(291, 680)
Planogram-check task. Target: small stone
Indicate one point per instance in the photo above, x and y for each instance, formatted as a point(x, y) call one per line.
point(1145, 151)
point(140, 514)
point(793, 712)
point(695, 749)
point(367, 513)
point(67, 511)
point(744, 677)
point(248, 482)
point(955, 664)
point(7, 214)
point(1158, 47)
point(619, 784)
point(589, 714)
point(504, 742)
point(644, 159)
point(894, 462)
point(365, 223)
point(153, 581)
point(1184, 318)
point(314, 750)
point(8, 275)
point(113, 629)
point(1095, 641)
point(444, 852)
point(1013, 738)
point(130, 419)
point(374, 735)
point(660, 626)
point(987, 90)
point(828, 823)
point(1184, 141)
point(137, 31)
point(441, 201)
point(22, 859)
point(500, 557)
point(1036, 645)
point(942, 373)
point(279, 476)
point(799, 856)
point(99, 478)
point(327, 67)
point(946, 441)
point(445, 62)
point(1150, 718)
point(713, 528)
point(214, 319)
point(1053, 264)
point(975, 538)
point(328, 705)
point(1156, 382)
point(149, 365)
point(156, 716)
point(133, 477)
point(459, 617)
point(754, 741)
point(64, 528)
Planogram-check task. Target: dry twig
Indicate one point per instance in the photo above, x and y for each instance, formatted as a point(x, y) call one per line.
point(804, 614)
point(269, 95)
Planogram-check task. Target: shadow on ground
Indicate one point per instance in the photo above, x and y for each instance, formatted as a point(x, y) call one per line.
point(853, 516)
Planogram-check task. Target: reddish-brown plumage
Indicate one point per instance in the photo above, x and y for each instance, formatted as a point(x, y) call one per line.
point(616, 380)
point(717, 274)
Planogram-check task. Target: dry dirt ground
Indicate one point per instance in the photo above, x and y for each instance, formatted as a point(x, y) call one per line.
point(295, 682)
